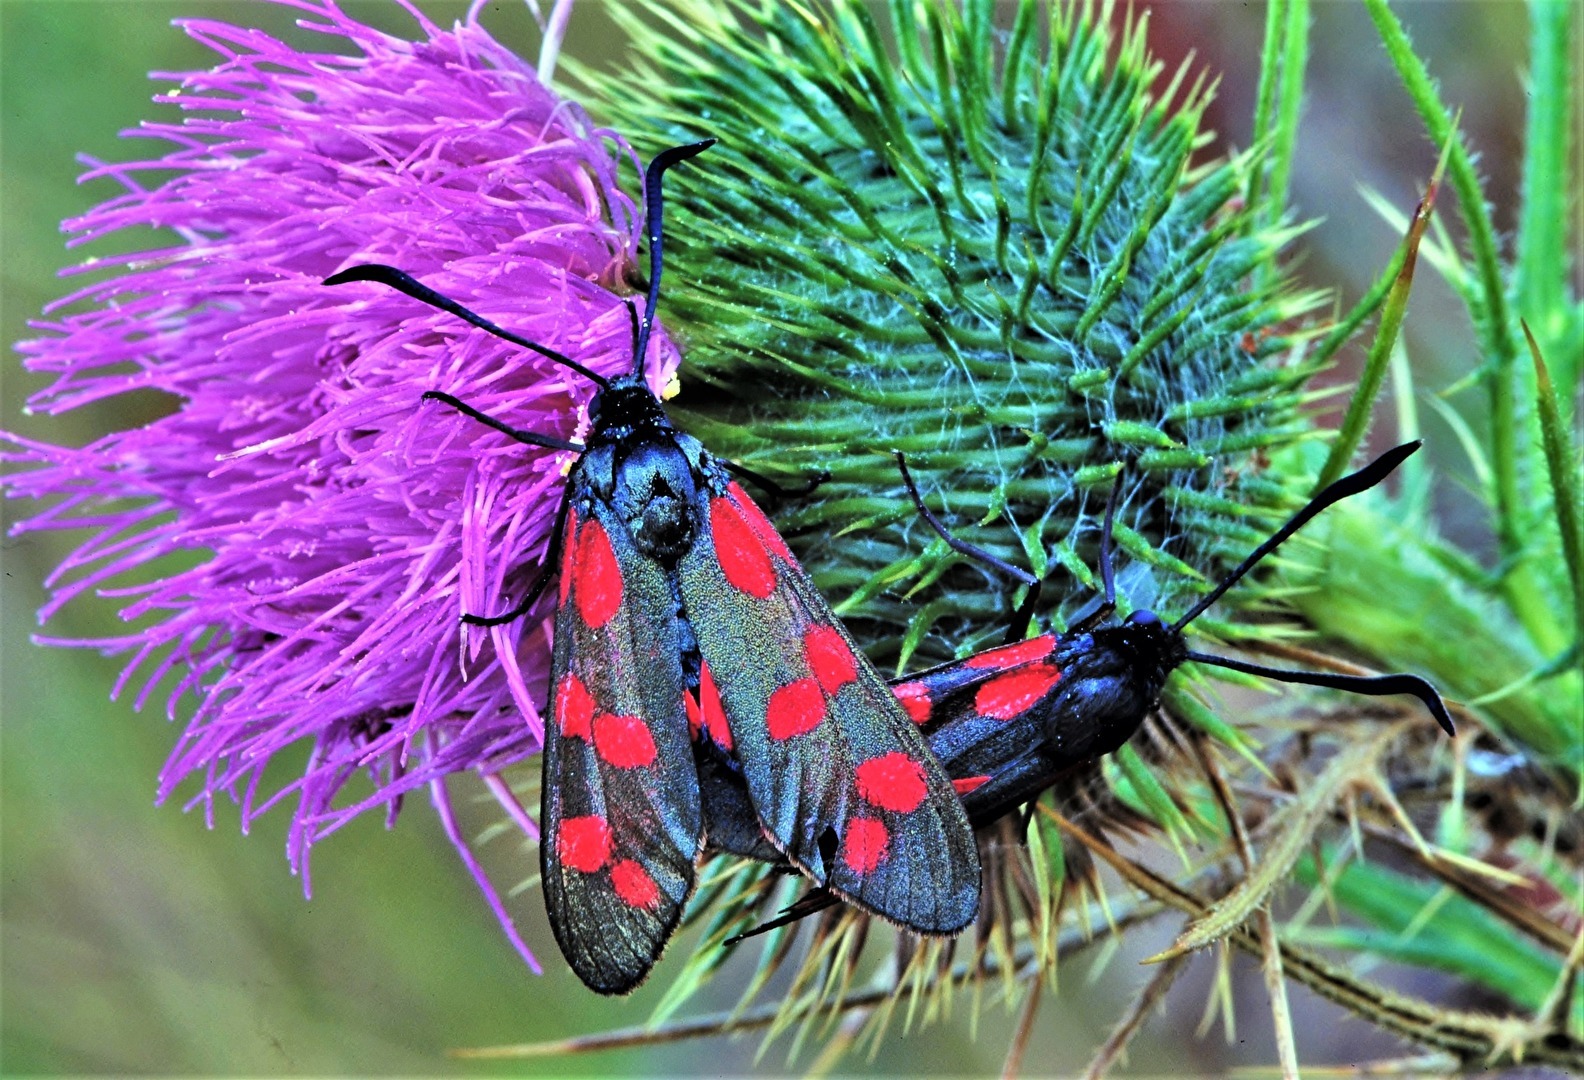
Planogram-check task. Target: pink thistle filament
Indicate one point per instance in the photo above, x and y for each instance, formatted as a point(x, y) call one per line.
point(330, 526)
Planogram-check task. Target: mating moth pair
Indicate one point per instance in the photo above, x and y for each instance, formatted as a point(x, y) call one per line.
point(703, 697)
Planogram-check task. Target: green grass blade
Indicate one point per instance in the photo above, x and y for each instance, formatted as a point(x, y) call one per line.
point(1562, 465)
point(1460, 937)
point(1289, 104)
point(1540, 272)
point(1355, 422)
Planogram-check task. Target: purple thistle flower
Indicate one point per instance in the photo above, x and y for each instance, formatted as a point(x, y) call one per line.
point(333, 526)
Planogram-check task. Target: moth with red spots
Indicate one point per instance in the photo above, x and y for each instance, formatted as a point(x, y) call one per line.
point(691, 648)
point(1008, 722)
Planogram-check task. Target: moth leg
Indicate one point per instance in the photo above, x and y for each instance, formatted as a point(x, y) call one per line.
point(814, 900)
point(773, 489)
point(515, 613)
point(552, 558)
point(1107, 575)
point(1025, 611)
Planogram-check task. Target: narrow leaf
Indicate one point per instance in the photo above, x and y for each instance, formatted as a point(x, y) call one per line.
point(1561, 463)
point(1356, 420)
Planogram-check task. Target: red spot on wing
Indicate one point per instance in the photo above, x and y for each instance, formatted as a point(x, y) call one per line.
point(634, 885)
point(866, 844)
point(892, 781)
point(714, 714)
point(584, 843)
point(1013, 693)
point(970, 783)
point(760, 524)
point(741, 553)
point(623, 741)
point(568, 555)
point(599, 580)
point(796, 708)
point(915, 698)
point(694, 717)
point(1023, 652)
point(831, 657)
point(574, 707)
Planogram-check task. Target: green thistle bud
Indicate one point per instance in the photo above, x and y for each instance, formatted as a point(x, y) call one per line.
point(988, 248)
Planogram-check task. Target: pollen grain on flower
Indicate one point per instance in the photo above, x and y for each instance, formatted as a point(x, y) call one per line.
point(333, 526)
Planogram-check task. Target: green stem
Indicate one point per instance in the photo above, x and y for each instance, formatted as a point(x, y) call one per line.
point(1559, 455)
point(1523, 593)
point(1295, 58)
point(1265, 101)
point(1342, 333)
point(1540, 271)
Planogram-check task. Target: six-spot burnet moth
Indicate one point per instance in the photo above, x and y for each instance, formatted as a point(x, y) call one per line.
point(690, 648)
point(1008, 722)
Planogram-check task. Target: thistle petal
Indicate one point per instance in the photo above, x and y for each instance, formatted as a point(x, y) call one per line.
point(298, 536)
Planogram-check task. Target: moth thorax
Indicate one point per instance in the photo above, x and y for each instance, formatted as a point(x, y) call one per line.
point(655, 493)
point(1111, 680)
point(664, 527)
point(1145, 651)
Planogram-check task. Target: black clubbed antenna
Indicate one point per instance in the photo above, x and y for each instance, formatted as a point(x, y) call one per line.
point(404, 282)
point(1370, 685)
point(652, 226)
point(1351, 484)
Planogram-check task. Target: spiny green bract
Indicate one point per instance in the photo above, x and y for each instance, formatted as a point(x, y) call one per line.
point(985, 245)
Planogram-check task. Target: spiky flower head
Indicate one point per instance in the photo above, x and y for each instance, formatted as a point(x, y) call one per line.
point(989, 246)
point(297, 537)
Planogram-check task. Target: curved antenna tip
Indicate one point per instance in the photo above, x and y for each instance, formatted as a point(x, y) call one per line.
point(1369, 685)
point(378, 272)
point(1353, 483)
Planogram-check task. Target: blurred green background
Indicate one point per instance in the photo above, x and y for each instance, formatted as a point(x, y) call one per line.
point(134, 939)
